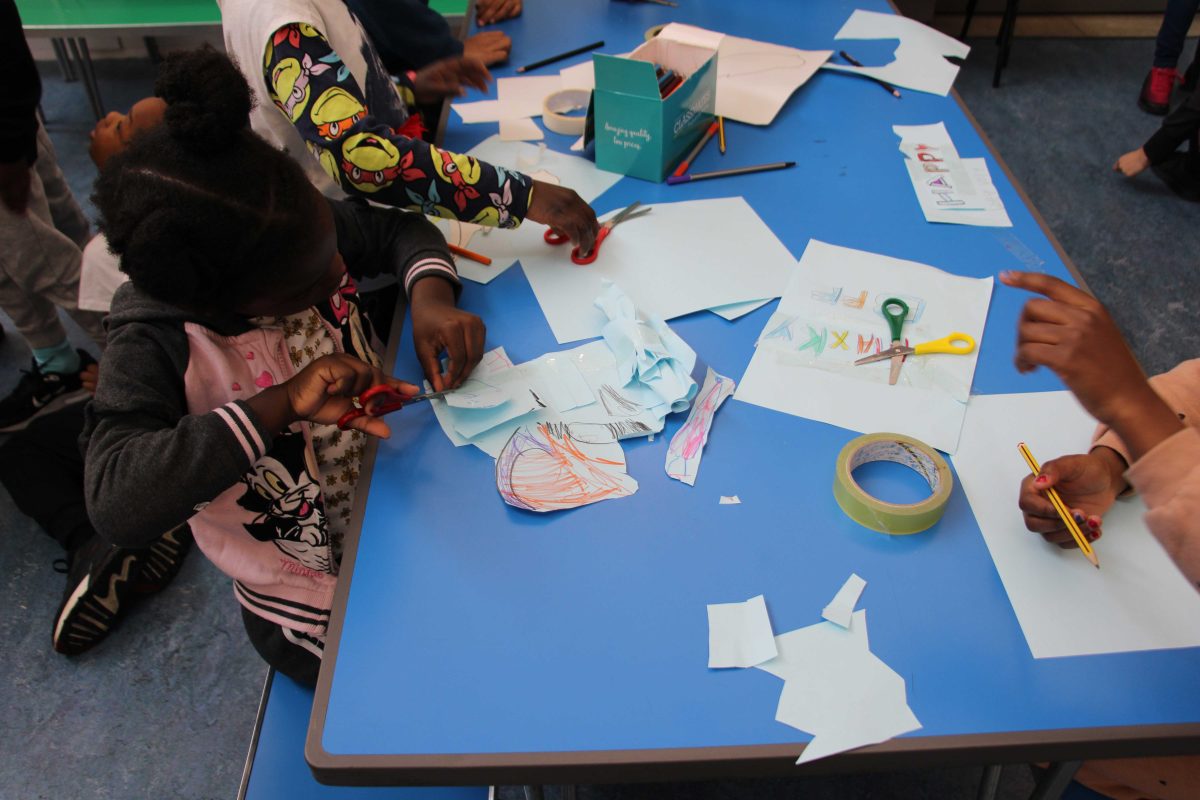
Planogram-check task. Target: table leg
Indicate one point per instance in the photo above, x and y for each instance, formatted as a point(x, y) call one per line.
point(534, 793)
point(1004, 40)
point(989, 784)
point(82, 55)
point(970, 13)
point(1056, 779)
point(64, 60)
point(569, 791)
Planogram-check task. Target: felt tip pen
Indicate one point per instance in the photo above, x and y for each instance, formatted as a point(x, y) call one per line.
point(687, 161)
point(723, 173)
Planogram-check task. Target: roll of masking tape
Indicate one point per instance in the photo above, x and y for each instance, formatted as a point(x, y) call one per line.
point(560, 111)
point(880, 515)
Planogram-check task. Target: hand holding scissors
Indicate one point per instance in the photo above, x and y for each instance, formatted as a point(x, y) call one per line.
point(380, 399)
point(626, 213)
point(895, 311)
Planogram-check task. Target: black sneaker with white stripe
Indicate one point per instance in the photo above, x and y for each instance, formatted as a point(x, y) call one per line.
point(102, 580)
point(40, 393)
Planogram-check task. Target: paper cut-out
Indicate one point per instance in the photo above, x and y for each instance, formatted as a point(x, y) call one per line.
point(687, 445)
point(1137, 600)
point(841, 608)
point(520, 130)
point(729, 500)
point(739, 634)
point(836, 689)
point(476, 393)
point(950, 189)
point(920, 62)
point(803, 362)
point(554, 466)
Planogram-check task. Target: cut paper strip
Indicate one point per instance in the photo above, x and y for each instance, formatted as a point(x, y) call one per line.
point(920, 61)
point(687, 445)
point(836, 689)
point(803, 363)
point(739, 634)
point(520, 130)
point(555, 466)
point(673, 261)
point(476, 393)
point(1137, 600)
point(841, 609)
point(505, 246)
point(730, 500)
point(949, 189)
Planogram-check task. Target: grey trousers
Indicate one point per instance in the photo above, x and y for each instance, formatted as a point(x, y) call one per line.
point(40, 253)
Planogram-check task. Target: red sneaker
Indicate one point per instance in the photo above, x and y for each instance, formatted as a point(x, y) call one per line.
point(1156, 90)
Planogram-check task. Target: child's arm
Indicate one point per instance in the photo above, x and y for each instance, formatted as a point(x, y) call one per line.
point(150, 465)
point(376, 240)
point(311, 86)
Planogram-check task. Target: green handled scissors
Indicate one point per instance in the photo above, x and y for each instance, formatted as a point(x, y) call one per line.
point(895, 311)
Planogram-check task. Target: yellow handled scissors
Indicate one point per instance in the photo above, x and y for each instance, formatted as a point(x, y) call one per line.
point(895, 311)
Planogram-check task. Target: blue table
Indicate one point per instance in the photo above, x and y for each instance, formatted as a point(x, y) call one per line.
point(473, 643)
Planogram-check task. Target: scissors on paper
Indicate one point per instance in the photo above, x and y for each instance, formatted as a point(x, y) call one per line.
point(379, 400)
point(895, 311)
point(605, 229)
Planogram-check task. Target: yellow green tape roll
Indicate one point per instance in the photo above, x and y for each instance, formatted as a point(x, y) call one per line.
point(882, 516)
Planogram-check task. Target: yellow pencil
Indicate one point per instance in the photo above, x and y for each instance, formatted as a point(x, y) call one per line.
point(1061, 508)
point(721, 133)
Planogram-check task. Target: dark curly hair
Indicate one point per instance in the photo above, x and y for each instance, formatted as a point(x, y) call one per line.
point(203, 213)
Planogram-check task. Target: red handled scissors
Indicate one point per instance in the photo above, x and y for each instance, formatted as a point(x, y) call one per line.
point(379, 400)
point(605, 229)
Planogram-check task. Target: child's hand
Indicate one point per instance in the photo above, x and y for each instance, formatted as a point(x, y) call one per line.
point(490, 47)
point(322, 392)
point(1132, 163)
point(1088, 485)
point(489, 11)
point(1071, 333)
point(450, 77)
point(439, 325)
point(90, 378)
point(565, 212)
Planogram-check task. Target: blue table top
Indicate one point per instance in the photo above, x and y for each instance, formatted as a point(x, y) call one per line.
point(468, 627)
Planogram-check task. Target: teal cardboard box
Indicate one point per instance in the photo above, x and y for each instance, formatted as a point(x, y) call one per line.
point(638, 132)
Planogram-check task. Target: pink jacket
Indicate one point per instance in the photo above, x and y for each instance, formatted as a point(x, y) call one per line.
point(1168, 477)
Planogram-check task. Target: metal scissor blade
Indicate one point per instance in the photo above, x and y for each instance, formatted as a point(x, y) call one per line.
point(422, 397)
point(624, 213)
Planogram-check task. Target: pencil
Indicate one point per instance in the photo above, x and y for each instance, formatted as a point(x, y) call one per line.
point(891, 89)
point(722, 173)
point(560, 56)
point(721, 133)
point(465, 253)
point(687, 161)
point(1061, 508)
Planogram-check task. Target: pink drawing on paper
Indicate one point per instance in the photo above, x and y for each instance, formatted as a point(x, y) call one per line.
point(687, 445)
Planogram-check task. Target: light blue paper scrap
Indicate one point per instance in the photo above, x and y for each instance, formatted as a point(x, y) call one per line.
point(559, 383)
point(476, 393)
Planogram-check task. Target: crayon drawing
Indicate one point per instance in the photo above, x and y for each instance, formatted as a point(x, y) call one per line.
point(687, 445)
point(551, 466)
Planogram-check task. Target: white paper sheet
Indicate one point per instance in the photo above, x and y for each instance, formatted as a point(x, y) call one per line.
point(677, 259)
point(520, 130)
point(829, 317)
point(739, 634)
point(1137, 600)
point(687, 445)
point(481, 111)
point(504, 246)
point(919, 63)
point(837, 690)
point(729, 500)
point(949, 188)
point(732, 311)
point(525, 94)
point(578, 76)
point(841, 608)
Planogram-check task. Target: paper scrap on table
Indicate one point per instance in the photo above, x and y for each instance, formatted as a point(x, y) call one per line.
point(950, 189)
point(829, 316)
point(1137, 600)
point(841, 608)
point(919, 62)
point(739, 634)
point(648, 353)
point(516, 97)
point(520, 130)
point(505, 246)
point(475, 393)
point(678, 259)
point(838, 690)
point(732, 311)
point(729, 500)
point(687, 445)
point(552, 466)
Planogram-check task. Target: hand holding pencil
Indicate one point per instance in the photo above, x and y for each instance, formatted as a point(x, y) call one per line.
point(1087, 484)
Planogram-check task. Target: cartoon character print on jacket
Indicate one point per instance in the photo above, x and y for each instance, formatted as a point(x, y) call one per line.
point(461, 171)
point(290, 77)
point(372, 163)
point(345, 314)
point(286, 500)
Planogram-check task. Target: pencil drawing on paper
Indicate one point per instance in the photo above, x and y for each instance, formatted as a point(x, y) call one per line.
point(553, 466)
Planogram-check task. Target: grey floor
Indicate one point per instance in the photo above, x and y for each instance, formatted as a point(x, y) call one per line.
point(165, 706)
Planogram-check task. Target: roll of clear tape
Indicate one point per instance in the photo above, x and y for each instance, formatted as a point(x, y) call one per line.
point(557, 111)
point(880, 515)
